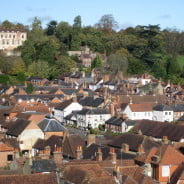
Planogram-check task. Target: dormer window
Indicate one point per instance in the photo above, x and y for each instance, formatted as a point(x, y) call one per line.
point(165, 171)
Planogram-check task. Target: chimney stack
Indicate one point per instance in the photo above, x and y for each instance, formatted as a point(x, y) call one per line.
point(165, 140)
point(79, 152)
point(125, 148)
point(99, 155)
point(57, 155)
point(140, 149)
point(45, 154)
point(113, 155)
point(91, 139)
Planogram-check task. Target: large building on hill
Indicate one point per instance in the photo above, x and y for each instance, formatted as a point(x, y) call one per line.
point(11, 38)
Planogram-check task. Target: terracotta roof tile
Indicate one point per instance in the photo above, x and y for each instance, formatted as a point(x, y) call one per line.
point(141, 107)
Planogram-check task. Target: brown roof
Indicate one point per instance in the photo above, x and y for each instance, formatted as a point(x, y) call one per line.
point(87, 174)
point(178, 174)
point(134, 141)
point(141, 107)
point(166, 153)
point(29, 179)
point(158, 129)
point(63, 105)
point(4, 147)
point(70, 145)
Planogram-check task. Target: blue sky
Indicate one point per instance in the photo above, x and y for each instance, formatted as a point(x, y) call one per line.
point(167, 13)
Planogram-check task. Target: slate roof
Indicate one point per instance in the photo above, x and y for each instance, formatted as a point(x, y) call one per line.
point(178, 107)
point(51, 125)
point(162, 107)
point(134, 141)
point(114, 121)
point(93, 111)
point(43, 166)
point(17, 127)
point(158, 129)
point(91, 101)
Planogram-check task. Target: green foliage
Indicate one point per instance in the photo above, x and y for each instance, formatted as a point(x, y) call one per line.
point(101, 127)
point(65, 64)
point(4, 79)
point(29, 88)
point(97, 62)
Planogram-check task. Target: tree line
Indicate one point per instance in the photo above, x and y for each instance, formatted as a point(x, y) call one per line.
point(129, 51)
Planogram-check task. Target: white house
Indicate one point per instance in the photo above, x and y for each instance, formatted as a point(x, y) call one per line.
point(92, 117)
point(139, 111)
point(163, 112)
point(65, 108)
point(26, 132)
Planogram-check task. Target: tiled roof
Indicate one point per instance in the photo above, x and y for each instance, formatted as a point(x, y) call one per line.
point(17, 127)
point(141, 107)
point(166, 153)
point(87, 174)
point(4, 147)
point(63, 105)
point(158, 129)
point(178, 174)
point(29, 179)
point(90, 153)
point(134, 141)
point(52, 141)
point(70, 145)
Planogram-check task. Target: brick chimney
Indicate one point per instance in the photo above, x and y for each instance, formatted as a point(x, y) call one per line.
point(125, 148)
point(113, 155)
point(57, 155)
point(99, 155)
point(165, 140)
point(45, 154)
point(112, 109)
point(140, 149)
point(91, 139)
point(79, 152)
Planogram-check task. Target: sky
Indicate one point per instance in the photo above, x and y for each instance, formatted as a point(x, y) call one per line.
point(128, 13)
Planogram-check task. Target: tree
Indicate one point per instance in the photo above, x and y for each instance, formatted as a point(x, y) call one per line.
point(29, 88)
point(118, 63)
point(18, 66)
point(97, 62)
point(107, 23)
point(77, 22)
point(65, 64)
point(28, 52)
point(51, 27)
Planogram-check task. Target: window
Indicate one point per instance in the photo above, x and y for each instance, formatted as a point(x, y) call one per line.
point(165, 171)
point(9, 157)
point(165, 113)
point(169, 113)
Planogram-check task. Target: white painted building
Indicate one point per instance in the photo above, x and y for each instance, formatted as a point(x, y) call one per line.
point(163, 113)
point(92, 117)
point(12, 38)
point(138, 111)
point(65, 108)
